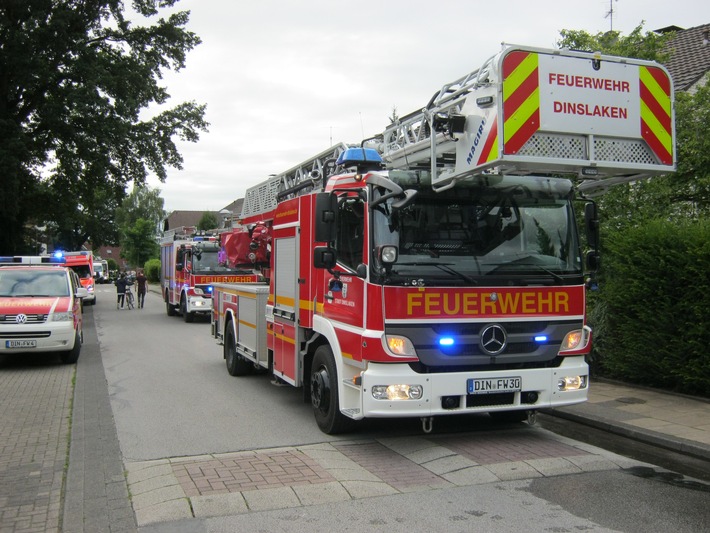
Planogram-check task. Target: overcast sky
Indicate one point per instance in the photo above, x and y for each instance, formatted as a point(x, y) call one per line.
point(283, 80)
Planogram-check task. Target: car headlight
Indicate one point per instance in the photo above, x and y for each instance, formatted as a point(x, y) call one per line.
point(63, 317)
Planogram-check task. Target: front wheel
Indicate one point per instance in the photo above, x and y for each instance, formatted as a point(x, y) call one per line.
point(324, 394)
point(187, 317)
point(236, 364)
point(72, 356)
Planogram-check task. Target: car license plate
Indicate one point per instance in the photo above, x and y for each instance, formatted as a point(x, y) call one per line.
point(21, 344)
point(493, 385)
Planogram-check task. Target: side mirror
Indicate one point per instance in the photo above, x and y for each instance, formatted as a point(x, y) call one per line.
point(325, 217)
point(324, 257)
point(179, 266)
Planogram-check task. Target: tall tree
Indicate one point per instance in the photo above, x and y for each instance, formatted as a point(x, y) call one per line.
point(138, 243)
point(74, 78)
point(142, 202)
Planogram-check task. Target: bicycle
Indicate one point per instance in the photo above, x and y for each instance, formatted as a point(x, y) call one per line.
point(130, 300)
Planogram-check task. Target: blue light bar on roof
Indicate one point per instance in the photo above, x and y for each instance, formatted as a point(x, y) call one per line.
point(358, 156)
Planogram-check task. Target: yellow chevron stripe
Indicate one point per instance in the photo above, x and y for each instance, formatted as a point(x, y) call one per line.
point(663, 99)
point(664, 137)
point(494, 151)
point(519, 75)
point(521, 115)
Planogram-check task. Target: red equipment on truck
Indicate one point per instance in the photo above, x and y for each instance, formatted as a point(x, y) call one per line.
point(190, 265)
point(446, 276)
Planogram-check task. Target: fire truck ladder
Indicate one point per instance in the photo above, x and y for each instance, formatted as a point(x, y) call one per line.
point(296, 181)
point(409, 143)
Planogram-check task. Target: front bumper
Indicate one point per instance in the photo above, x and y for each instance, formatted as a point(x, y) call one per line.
point(450, 389)
point(199, 304)
point(50, 337)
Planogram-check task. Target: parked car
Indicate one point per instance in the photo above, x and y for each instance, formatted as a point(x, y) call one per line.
point(41, 311)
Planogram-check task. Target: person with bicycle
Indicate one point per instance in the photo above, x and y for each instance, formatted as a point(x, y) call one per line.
point(121, 284)
point(142, 282)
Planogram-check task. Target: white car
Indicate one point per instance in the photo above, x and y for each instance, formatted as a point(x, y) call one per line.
point(41, 311)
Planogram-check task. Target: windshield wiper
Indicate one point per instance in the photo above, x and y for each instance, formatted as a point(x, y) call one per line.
point(516, 266)
point(446, 268)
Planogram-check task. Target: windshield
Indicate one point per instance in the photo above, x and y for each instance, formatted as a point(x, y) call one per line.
point(205, 260)
point(83, 271)
point(486, 231)
point(19, 283)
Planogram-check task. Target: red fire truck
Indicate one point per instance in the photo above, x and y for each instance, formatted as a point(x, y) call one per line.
point(436, 269)
point(190, 265)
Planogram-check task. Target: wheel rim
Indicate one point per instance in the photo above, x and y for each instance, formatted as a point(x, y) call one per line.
point(320, 390)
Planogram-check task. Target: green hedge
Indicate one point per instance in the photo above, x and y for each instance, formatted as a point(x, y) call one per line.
point(152, 270)
point(654, 307)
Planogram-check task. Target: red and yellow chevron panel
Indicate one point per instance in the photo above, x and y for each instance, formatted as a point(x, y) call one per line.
point(521, 97)
point(656, 123)
point(490, 147)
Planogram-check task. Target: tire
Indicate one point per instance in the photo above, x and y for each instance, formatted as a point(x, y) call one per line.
point(169, 309)
point(72, 356)
point(187, 317)
point(324, 394)
point(236, 364)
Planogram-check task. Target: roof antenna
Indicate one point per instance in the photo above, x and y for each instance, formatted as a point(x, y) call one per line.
point(610, 14)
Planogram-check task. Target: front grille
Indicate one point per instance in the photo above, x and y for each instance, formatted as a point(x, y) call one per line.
point(466, 353)
point(31, 319)
point(11, 335)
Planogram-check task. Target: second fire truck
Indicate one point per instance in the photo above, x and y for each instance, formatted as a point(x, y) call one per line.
point(436, 269)
point(190, 265)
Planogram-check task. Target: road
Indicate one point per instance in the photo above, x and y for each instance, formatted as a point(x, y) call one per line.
point(178, 413)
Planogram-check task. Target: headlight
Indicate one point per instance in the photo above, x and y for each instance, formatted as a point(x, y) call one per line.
point(63, 317)
point(197, 290)
point(572, 383)
point(397, 392)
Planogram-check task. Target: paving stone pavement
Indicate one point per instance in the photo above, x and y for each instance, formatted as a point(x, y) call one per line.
point(242, 482)
point(34, 437)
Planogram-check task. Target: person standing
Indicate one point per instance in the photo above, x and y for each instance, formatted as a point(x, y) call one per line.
point(142, 287)
point(121, 283)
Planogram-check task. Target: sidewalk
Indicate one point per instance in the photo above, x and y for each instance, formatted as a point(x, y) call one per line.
point(678, 423)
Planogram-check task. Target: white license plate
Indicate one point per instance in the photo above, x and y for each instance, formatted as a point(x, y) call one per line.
point(21, 344)
point(492, 385)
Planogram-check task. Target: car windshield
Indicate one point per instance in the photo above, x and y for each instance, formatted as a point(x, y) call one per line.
point(485, 231)
point(206, 260)
point(33, 283)
point(83, 271)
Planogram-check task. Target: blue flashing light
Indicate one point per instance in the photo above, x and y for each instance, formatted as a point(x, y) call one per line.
point(446, 341)
point(358, 156)
point(58, 253)
point(540, 338)
point(209, 288)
